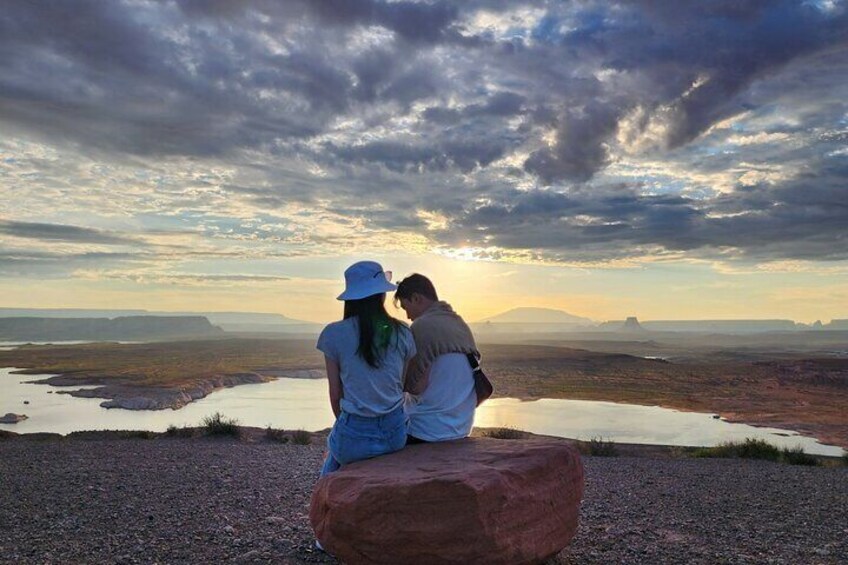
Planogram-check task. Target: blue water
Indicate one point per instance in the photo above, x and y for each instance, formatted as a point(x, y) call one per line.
point(290, 403)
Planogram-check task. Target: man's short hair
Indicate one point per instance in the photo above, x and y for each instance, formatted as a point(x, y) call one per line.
point(415, 284)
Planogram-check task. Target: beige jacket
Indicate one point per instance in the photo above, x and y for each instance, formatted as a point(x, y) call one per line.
point(437, 331)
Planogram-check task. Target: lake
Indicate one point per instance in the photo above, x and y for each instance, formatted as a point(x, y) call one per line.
point(289, 403)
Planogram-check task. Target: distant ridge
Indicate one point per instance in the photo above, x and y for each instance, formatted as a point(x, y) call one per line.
point(228, 321)
point(120, 328)
point(530, 315)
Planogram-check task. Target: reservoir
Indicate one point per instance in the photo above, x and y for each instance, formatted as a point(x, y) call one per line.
point(290, 403)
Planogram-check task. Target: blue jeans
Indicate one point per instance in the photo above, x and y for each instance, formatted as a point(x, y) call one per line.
point(354, 438)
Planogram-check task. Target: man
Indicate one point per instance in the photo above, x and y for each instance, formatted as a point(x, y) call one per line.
point(440, 384)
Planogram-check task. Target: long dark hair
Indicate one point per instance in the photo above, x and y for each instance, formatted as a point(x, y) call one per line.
point(376, 327)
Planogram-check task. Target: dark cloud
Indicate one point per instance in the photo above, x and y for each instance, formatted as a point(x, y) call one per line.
point(507, 131)
point(413, 21)
point(801, 218)
point(464, 155)
point(60, 232)
point(580, 148)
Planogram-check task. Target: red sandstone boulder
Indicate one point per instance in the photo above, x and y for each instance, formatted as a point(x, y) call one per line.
point(475, 500)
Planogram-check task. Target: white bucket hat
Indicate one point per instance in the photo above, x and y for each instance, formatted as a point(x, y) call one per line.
point(364, 279)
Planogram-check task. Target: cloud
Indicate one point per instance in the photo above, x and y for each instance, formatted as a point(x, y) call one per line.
point(557, 131)
point(580, 147)
point(803, 218)
point(185, 279)
point(58, 232)
point(39, 264)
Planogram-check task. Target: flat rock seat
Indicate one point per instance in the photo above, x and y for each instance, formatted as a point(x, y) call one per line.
point(476, 500)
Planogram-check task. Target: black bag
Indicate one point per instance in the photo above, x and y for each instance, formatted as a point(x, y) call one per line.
point(482, 385)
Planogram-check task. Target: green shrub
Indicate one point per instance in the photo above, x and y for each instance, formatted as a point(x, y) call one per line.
point(600, 448)
point(217, 425)
point(796, 456)
point(749, 449)
point(174, 431)
point(301, 437)
point(727, 449)
point(278, 436)
point(504, 433)
point(759, 449)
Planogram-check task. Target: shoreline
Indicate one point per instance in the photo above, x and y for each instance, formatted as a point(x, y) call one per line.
point(821, 433)
point(805, 396)
point(127, 397)
point(121, 395)
point(118, 393)
point(257, 435)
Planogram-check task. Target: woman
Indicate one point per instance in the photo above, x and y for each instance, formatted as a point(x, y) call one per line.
point(366, 355)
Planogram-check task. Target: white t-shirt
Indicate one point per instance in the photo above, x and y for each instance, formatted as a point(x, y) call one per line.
point(445, 410)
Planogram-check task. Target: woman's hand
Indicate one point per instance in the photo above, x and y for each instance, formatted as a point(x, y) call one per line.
point(335, 382)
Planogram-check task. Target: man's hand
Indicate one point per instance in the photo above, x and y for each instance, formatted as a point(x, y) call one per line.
point(417, 378)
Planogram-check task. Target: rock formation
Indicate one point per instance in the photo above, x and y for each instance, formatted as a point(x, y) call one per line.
point(631, 324)
point(11, 418)
point(133, 397)
point(476, 500)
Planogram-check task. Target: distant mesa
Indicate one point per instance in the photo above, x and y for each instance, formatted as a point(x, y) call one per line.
point(632, 324)
point(726, 327)
point(524, 320)
point(254, 322)
point(837, 325)
point(540, 320)
point(548, 320)
point(529, 315)
point(128, 328)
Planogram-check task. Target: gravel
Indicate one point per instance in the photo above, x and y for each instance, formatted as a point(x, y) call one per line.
point(206, 501)
point(643, 510)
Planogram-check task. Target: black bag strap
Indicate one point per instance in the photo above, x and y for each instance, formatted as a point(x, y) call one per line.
point(474, 362)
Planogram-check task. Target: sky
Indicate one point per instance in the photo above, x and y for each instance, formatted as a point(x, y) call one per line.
point(668, 160)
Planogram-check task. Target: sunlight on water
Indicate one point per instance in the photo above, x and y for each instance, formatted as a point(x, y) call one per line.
point(631, 423)
point(302, 404)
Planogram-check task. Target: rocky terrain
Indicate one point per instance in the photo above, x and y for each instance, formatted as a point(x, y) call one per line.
point(213, 501)
point(163, 375)
point(12, 418)
point(123, 394)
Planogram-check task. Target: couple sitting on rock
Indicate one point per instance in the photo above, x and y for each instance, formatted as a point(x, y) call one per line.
point(391, 385)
